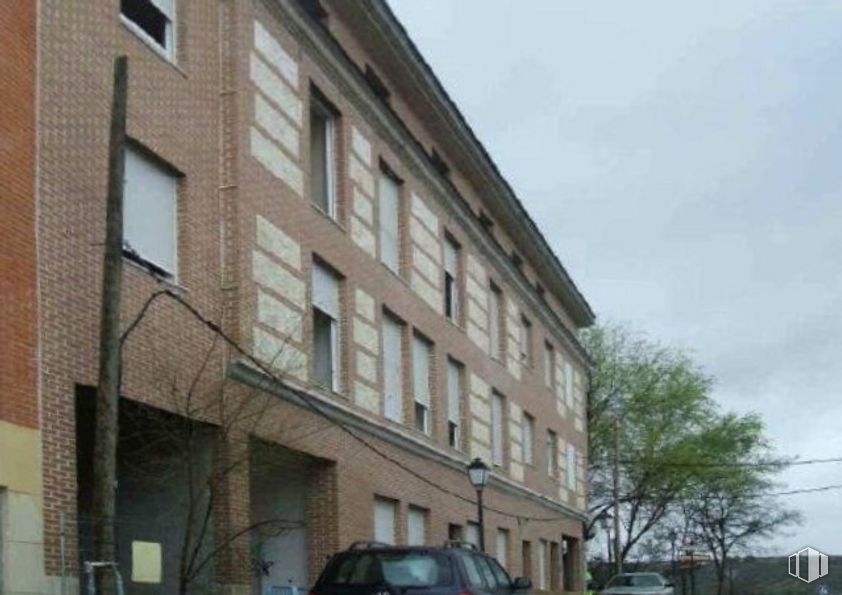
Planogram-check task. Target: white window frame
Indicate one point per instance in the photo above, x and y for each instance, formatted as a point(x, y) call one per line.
point(393, 364)
point(455, 371)
point(320, 107)
point(138, 162)
point(422, 354)
point(330, 306)
point(528, 425)
point(452, 270)
point(167, 52)
point(389, 237)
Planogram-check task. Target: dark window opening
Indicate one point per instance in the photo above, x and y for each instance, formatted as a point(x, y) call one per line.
point(485, 221)
point(315, 9)
point(148, 17)
point(517, 260)
point(453, 434)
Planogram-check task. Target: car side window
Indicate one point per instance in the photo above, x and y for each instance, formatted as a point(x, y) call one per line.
point(485, 570)
point(500, 574)
point(474, 573)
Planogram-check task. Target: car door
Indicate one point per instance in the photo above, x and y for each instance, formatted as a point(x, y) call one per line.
point(477, 575)
point(502, 580)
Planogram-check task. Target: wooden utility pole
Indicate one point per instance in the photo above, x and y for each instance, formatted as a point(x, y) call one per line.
point(618, 560)
point(108, 387)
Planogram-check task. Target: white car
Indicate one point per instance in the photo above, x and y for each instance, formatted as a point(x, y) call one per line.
point(638, 583)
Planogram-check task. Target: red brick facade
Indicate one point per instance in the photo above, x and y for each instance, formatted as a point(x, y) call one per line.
point(248, 235)
point(18, 306)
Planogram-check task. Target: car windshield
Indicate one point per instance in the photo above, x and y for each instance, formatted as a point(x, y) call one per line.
point(400, 569)
point(636, 580)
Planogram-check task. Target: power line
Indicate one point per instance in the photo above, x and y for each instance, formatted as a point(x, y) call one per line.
point(738, 464)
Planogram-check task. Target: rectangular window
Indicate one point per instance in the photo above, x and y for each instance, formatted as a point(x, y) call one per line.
point(385, 513)
point(498, 408)
point(571, 467)
point(526, 558)
point(392, 368)
point(149, 213)
point(452, 278)
point(472, 533)
point(455, 532)
point(153, 20)
point(502, 547)
point(326, 317)
point(525, 341)
point(543, 556)
point(416, 526)
point(552, 453)
point(454, 403)
point(495, 314)
point(323, 128)
point(568, 383)
point(549, 365)
point(422, 351)
point(528, 439)
point(390, 229)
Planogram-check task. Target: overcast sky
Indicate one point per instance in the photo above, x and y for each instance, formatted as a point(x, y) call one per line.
point(684, 159)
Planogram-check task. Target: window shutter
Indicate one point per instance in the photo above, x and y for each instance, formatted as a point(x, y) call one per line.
point(571, 467)
point(421, 370)
point(454, 394)
point(325, 291)
point(568, 383)
point(451, 259)
point(384, 521)
point(472, 533)
point(502, 547)
point(149, 211)
point(389, 222)
point(494, 321)
point(392, 369)
point(527, 439)
point(416, 533)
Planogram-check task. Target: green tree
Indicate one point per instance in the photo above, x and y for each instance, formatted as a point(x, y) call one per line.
point(729, 505)
point(660, 398)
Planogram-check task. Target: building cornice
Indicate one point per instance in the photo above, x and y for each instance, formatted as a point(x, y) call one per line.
point(342, 415)
point(324, 50)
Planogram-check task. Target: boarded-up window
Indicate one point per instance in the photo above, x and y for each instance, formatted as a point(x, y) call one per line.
point(149, 213)
point(422, 351)
point(416, 526)
point(472, 533)
point(497, 429)
point(326, 317)
point(392, 368)
point(323, 155)
point(390, 209)
point(452, 301)
point(385, 512)
point(454, 403)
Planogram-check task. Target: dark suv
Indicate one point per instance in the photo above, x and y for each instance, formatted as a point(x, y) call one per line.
point(368, 568)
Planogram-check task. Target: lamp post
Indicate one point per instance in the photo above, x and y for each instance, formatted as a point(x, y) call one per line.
point(478, 473)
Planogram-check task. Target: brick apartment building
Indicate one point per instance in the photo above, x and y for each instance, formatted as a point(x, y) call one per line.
point(298, 176)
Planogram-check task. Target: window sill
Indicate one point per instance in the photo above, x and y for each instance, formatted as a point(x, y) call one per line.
point(329, 217)
point(148, 268)
point(152, 45)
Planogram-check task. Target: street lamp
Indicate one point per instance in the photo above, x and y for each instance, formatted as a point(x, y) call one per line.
point(478, 473)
